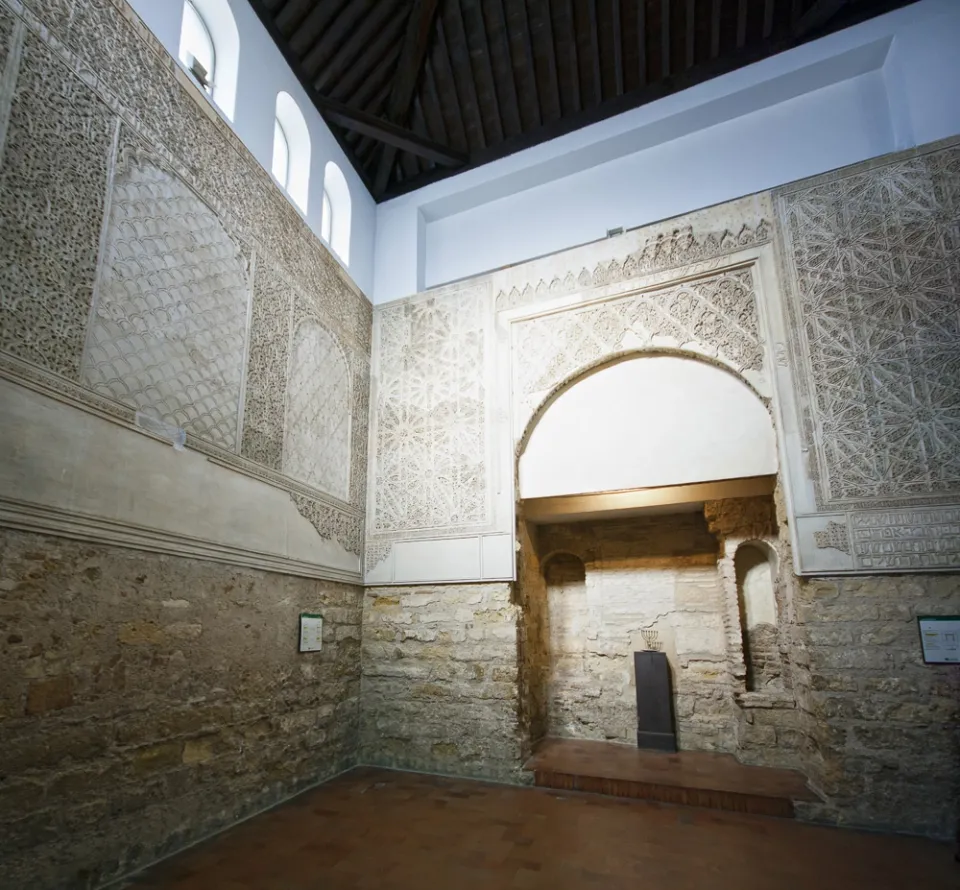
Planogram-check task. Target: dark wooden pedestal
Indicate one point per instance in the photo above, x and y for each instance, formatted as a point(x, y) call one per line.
point(655, 727)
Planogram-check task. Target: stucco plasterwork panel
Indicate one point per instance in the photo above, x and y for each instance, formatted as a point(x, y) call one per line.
point(317, 448)
point(53, 185)
point(168, 329)
point(264, 406)
point(659, 250)
point(430, 417)
point(871, 269)
point(170, 272)
point(714, 316)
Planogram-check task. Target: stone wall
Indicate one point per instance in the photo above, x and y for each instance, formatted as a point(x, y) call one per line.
point(441, 680)
point(884, 727)
point(150, 700)
point(655, 573)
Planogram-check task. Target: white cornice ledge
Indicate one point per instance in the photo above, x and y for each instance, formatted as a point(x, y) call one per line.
point(25, 516)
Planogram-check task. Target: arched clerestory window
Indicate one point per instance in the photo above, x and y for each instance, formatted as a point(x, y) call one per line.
point(210, 50)
point(291, 150)
point(337, 211)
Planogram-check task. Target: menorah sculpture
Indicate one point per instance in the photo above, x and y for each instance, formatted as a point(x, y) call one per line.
point(655, 725)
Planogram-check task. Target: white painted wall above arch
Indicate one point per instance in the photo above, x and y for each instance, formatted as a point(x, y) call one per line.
point(645, 422)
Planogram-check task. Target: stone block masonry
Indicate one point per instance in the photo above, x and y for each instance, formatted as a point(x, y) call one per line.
point(148, 701)
point(441, 686)
point(885, 726)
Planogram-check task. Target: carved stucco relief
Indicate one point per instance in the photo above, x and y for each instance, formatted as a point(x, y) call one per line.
point(670, 249)
point(194, 227)
point(317, 447)
point(875, 266)
point(57, 132)
point(715, 316)
point(168, 329)
point(430, 417)
point(264, 409)
point(872, 280)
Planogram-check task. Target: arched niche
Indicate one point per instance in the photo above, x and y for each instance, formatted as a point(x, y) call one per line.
point(755, 567)
point(644, 422)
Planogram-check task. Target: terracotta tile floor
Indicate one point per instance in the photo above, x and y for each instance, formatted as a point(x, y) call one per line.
point(379, 829)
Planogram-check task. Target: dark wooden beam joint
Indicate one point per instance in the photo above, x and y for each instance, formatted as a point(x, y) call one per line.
point(385, 131)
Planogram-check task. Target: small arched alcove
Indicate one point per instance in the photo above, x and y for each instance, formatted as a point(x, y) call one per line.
point(756, 572)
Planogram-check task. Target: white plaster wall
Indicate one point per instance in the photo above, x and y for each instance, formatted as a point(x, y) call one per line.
point(98, 480)
point(263, 75)
point(645, 422)
point(884, 85)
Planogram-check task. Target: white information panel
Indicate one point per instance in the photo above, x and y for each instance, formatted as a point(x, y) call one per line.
point(311, 632)
point(940, 638)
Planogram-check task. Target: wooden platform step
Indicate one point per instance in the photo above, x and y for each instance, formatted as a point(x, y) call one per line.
point(691, 778)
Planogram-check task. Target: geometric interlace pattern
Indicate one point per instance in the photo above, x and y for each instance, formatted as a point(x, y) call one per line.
point(167, 336)
point(317, 446)
point(430, 415)
point(876, 260)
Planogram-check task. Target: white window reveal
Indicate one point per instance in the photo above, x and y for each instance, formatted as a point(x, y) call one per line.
point(326, 217)
point(335, 224)
point(291, 150)
point(281, 155)
point(197, 51)
point(210, 50)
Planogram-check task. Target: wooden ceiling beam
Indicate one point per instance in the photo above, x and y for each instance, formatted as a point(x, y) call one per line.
point(642, 42)
point(413, 52)
point(443, 75)
point(511, 99)
point(595, 52)
point(741, 24)
point(655, 89)
point(665, 38)
point(385, 131)
point(617, 49)
point(313, 25)
point(482, 43)
point(767, 19)
point(360, 49)
point(715, 29)
point(336, 33)
point(551, 45)
point(466, 82)
point(818, 15)
point(356, 87)
point(572, 22)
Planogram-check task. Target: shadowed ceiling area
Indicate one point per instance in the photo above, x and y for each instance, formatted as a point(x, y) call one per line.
point(416, 90)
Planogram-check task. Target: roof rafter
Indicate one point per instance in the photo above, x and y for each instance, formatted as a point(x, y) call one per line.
point(414, 51)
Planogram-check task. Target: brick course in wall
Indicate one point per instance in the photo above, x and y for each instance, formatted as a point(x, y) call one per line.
point(148, 701)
